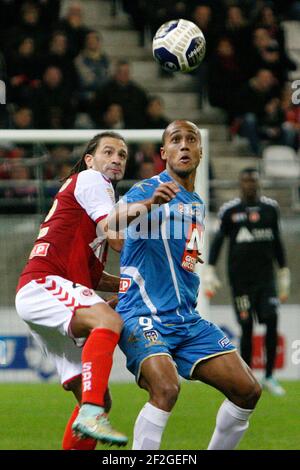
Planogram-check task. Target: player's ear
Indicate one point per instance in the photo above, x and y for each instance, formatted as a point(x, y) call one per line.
point(163, 153)
point(88, 158)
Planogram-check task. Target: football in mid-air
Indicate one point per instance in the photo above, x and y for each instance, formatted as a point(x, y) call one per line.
point(179, 45)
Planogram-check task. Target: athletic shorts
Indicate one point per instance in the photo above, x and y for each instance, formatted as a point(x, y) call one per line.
point(187, 343)
point(47, 305)
point(259, 302)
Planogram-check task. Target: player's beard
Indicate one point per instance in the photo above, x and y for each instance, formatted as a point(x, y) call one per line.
point(114, 177)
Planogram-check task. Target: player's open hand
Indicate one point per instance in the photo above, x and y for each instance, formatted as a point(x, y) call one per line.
point(284, 283)
point(164, 193)
point(211, 282)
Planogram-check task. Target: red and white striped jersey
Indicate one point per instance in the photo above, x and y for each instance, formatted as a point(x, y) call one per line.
point(69, 244)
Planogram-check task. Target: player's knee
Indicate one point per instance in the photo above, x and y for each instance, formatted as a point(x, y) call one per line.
point(165, 395)
point(249, 395)
point(106, 317)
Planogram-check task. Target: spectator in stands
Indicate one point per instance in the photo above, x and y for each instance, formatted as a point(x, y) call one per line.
point(24, 70)
point(54, 105)
point(225, 75)
point(155, 118)
point(58, 156)
point(146, 169)
point(112, 118)
point(270, 126)
point(20, 172)
point(249, 105)
point(202, 17)
point(121, 89)
point(92, 66)
point(266, 54)
point(238, 31)
point(146, 152)
point(58, 56)
point(30, 26)
point(22, 118)
point(74, 27)
point(266, 19)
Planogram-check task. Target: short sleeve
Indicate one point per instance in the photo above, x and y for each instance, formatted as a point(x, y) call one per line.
point(140, 191)
point(95, 194)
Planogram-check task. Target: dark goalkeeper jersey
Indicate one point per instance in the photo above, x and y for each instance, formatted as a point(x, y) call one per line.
point(254, 241)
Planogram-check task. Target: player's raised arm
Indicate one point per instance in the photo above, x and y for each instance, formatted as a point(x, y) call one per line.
point(124, 213)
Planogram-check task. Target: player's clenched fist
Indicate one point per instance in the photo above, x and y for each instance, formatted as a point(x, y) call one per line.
point(165, 192)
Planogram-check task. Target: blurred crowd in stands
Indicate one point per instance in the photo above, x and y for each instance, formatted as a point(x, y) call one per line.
point(58, 76)
point(246, 67)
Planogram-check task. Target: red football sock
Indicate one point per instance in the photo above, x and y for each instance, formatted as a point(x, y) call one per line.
point(72, 442)
point(97, 359)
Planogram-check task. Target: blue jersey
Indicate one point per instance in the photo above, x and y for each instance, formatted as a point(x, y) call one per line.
point(159, 256)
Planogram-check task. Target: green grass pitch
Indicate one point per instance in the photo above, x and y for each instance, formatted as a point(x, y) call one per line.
point(33, 416)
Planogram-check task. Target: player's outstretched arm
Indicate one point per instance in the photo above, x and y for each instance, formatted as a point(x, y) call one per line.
point(114, 238)
point(123, 214)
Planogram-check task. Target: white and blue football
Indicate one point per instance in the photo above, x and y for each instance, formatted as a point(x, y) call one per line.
point(179, 45)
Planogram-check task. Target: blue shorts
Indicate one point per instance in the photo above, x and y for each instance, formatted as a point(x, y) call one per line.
point(187, 343)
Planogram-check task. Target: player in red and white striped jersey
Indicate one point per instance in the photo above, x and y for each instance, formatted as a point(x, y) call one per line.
point(55, 293)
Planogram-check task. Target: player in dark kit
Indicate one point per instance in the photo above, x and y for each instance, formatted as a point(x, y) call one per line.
point(252, 225)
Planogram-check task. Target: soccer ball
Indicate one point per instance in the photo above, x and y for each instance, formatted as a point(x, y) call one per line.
point(179, 45)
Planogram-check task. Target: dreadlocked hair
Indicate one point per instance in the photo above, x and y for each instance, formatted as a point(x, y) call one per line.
point(91, 149)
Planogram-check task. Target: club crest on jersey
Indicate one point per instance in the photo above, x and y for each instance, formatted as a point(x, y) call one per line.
point(40, 249)
point(151, 335)
point(254, 216)
point(223, 342)
point(87, 292)
point(125, 283)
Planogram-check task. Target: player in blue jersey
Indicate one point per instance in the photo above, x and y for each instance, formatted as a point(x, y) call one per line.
point(163, 334)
